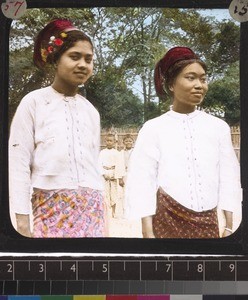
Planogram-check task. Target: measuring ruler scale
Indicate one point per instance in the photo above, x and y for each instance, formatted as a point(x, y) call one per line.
point(126, 275)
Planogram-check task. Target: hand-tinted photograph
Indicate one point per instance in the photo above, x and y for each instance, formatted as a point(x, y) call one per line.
point(124, 123)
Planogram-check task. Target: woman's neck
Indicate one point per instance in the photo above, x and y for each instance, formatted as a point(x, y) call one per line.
point(65, 90)
point(183, 109)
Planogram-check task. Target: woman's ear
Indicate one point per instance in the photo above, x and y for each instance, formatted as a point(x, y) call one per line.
point(171, 88)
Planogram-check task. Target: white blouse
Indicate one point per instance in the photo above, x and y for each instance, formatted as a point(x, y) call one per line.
point(54, 143)
point(191, 157)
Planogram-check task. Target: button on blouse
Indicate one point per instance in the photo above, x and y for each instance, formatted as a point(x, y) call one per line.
point(54, 143)
point(191, 157)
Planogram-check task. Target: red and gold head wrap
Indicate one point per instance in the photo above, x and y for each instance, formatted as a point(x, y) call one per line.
point(49, 39)
point(170, 58)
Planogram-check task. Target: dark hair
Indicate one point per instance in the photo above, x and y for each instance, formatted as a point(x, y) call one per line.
point(170, 65)
point(72, 37)
point(174, 70)
point(110, 135)
point(54, 39)
point(127, 136)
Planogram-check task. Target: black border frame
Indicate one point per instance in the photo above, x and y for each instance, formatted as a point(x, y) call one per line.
point(11, 241)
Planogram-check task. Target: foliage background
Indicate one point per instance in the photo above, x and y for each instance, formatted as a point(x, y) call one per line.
point(128, 43)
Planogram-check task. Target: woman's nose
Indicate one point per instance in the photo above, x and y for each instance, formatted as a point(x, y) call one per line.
point(82, 63)
point(198, 83)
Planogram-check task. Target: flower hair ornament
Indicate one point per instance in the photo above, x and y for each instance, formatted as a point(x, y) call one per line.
point(53, 45)
point(50, 39)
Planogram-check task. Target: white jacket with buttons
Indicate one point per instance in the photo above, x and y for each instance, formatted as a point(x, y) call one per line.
point(54, 143)
point(191, 157)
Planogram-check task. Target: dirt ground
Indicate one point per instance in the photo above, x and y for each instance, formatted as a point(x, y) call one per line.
point(124, 228)
point(132, 229)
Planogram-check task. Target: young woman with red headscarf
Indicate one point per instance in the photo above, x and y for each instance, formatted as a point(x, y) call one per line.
point(183, 164)
point(55, 141)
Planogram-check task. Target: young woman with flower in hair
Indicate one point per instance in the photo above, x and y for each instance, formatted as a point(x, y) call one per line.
point(54, 144)
point(183, 164)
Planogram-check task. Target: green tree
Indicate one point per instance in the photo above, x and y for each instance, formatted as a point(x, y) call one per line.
point(117, 105)
point(223, 96)
point(128, 43)
point(226, 50)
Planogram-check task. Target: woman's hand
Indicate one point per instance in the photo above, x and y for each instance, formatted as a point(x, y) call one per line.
point(147, 229)
point(23, 225)
point(229, 223)
point(226, 233)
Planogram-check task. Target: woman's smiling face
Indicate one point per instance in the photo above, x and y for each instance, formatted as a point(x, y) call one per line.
point(75, 66)
point(189, 88)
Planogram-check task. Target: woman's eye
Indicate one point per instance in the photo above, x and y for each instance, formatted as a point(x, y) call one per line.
point(191, 78)
point(88, 59)
point(74, 57)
